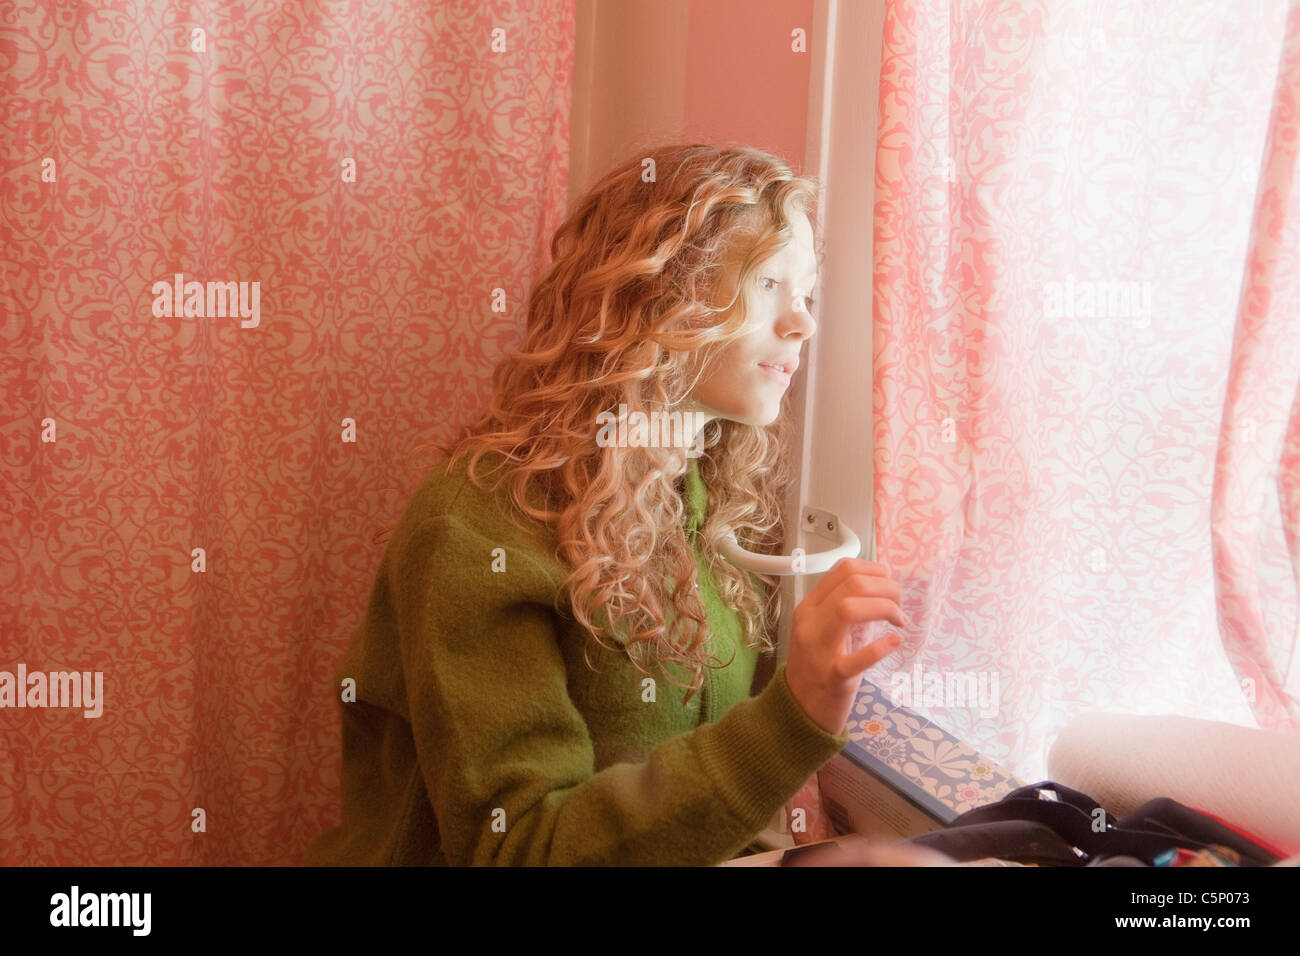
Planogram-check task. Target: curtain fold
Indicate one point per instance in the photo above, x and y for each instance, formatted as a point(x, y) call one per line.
point(1256, 513)
point(197, 476)
point(1085, 365)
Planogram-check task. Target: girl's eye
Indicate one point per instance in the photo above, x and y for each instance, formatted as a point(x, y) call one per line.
point(809, 301)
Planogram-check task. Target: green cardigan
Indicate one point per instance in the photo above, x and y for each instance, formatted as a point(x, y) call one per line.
point(479, 736)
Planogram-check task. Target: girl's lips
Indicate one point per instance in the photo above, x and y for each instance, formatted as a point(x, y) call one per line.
point(776, 373)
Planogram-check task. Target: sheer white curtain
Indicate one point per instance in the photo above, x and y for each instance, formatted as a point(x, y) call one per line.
point(1086, 370)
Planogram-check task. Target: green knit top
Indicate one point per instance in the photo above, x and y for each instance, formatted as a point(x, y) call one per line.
point(479, 735)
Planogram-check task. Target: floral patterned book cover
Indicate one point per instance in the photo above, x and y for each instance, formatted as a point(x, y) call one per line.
point(901, 774)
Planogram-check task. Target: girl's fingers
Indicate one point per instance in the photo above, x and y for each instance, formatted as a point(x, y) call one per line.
point(843, 569)
point(860, 610)
point(860, 586)
point(852, 665)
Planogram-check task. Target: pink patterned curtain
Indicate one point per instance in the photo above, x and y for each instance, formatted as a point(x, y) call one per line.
point(389, 175)
point(1087, 359)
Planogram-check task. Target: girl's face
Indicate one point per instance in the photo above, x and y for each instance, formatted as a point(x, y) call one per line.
point(740, 384)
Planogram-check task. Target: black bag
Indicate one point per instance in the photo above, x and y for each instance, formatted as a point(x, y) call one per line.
point(1052, 825)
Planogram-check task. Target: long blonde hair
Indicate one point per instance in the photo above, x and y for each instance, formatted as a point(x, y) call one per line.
point(624, 316)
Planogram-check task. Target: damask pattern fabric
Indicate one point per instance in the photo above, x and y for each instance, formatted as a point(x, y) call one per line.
point(389, 176)
point(1086, 395)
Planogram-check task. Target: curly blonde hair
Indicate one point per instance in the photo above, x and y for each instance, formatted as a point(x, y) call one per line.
point(624, 316)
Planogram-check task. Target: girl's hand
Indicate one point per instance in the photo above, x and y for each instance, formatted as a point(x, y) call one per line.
point(823, 673)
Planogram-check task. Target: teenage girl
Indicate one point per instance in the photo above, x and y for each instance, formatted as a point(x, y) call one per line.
point(556, 666)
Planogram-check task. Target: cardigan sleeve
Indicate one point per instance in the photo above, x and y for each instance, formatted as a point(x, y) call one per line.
point(507, 759)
